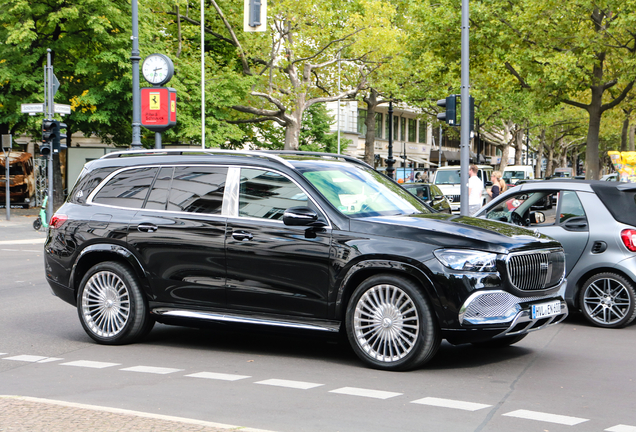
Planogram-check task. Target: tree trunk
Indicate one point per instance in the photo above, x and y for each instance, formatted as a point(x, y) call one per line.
point(369, 138)
point(624, 133)
point(549, 169)
point(632, 132)
point(537, 169)
point(592, 164)
point(505, 154)
point(519, 147)
point(292, 134)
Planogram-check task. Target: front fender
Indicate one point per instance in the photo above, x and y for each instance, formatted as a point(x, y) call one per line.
point(366, 268)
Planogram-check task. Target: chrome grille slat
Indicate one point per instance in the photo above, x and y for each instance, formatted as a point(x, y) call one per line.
point(535, 271)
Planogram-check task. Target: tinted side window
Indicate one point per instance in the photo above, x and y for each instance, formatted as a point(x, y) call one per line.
point(127, 189)
point(265, 194)
point(160, 190)
point(570, 206)
point(197, 189)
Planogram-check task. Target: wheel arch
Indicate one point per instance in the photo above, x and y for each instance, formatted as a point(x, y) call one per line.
point(97, 253)
point(365, 269)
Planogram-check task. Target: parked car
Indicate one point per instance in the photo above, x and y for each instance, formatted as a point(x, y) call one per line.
point(611, 177)
point(563, 172)
point(292, 240)
point(21, 179)
point(595, 221)
point(448, 180)
point(431, 195)
point(515, 173)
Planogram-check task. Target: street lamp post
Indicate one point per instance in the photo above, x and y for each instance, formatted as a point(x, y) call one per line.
point(390, 161)
point(136, 96)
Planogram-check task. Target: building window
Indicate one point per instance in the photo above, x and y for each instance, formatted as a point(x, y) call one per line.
point(412, 130)
point(362, 117)
point(396, 127)
point(378, 125)
point(423, 131)
point(403, 129)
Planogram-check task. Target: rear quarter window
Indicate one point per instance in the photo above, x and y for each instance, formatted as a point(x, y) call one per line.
point(127, 189)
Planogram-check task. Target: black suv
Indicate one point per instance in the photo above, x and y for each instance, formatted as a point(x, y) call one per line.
point(298, 240)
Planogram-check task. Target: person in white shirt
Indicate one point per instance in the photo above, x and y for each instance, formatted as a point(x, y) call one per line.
point(475, 189)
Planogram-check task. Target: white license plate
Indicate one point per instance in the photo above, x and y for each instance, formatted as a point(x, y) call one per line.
point(546, 309)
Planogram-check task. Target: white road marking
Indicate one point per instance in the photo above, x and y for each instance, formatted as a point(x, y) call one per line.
point(621, 428)
point(90, 364)
point(50, 359)
point(218, 376)
point(290, 384)
point(151, 369)
point(376, 394)
point(551, 418)
point(26, 358)
point(20, 250)
point(450, 403)
point(19, 242)
point(3, 353)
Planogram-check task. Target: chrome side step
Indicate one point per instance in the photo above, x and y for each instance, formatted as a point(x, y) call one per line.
point(328, 326)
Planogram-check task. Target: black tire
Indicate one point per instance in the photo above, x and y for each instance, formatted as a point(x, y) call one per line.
point(37, 224)
point(608, 300)
point(500, 342)
point(391, 325)
point(111, 306)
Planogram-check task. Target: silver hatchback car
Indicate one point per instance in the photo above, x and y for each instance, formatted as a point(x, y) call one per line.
point(595, 221)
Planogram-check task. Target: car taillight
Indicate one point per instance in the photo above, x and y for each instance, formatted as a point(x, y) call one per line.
point(629, 239)
point(57, 220)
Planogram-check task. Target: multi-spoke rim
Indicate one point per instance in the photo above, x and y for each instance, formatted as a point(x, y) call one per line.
point(386, 323)
point(106, 304)
point(606, 301)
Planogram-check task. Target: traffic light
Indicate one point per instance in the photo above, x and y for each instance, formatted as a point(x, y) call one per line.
point(47, 137)
point(452, 109)
point(58, 138)
point(450, 114)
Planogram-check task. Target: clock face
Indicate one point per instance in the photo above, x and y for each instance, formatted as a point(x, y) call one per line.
point(157, 69)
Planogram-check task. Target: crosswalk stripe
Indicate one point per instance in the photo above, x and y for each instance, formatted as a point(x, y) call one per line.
point(621, 428)
point(26, 358)
point(551, 418)
point(151, 369)
point(290, 384)
point(218, 376)
point(90, 364)
point(450, 403)
point(376, 394)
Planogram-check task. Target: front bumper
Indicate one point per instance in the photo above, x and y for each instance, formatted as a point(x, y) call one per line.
point(496, 309)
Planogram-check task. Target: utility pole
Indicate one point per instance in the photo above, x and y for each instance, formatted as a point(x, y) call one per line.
point(390, 161)
point(48, 101)
point(136, 96)
point(465, 110)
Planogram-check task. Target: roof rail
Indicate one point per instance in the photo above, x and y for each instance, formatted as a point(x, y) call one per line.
point(188, 152)
point(330, 155)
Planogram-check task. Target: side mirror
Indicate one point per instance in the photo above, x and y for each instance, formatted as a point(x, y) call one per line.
point(301, 216)
point(438, 197)
point(537, 217)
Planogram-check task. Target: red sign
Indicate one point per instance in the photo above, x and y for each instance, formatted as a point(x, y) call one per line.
point(158, 108)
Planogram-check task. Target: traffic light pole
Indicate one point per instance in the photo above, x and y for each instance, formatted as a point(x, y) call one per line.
point(464, 156)
point(48, 90)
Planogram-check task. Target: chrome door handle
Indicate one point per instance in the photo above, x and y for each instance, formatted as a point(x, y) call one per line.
point(242, 236)
point(147, 227)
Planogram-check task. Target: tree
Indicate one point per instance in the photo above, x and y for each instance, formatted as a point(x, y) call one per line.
point(294, 65)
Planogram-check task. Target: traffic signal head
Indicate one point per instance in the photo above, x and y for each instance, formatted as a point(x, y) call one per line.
point(58, 138)
point(450, 115)
point(47, 137)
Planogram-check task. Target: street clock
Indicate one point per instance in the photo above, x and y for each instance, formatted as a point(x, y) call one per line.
point(157, 69)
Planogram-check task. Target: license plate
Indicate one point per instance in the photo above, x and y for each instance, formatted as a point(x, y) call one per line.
point(546, 309)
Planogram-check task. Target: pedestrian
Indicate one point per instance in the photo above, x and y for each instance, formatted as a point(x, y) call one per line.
point(425, 177)
point(475, 190)
point(418, 177)
point(498, 185)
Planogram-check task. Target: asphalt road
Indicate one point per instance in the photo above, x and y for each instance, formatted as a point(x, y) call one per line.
point(570, 377)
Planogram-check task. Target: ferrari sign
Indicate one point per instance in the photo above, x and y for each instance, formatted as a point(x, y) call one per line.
point(158, 108)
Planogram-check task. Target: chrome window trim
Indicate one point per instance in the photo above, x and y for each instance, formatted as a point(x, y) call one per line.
point(230, 194)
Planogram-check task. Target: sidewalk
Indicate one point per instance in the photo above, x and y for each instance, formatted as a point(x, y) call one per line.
point(20, 226)
point(25, 414)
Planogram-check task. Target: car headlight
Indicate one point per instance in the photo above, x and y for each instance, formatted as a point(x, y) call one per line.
point(468, 260)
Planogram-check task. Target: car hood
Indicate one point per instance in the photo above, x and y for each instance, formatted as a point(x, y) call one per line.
point(455, 231)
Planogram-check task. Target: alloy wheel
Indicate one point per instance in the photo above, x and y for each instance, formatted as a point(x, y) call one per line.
point(106, 304)
point(606, 301)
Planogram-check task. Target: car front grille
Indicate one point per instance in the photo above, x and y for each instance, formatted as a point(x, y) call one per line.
point(453, 198)
point(536, 270)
